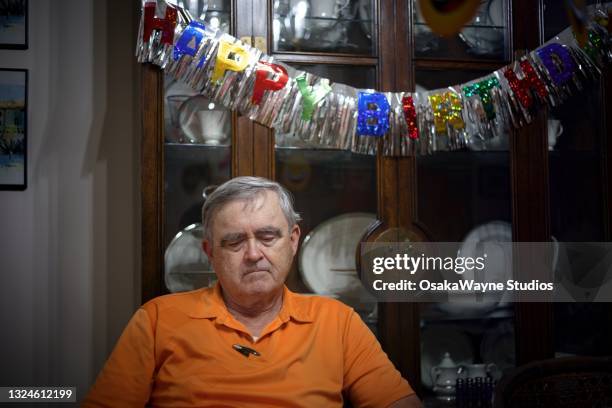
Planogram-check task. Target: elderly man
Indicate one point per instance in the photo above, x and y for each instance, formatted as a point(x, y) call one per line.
point(249, 341)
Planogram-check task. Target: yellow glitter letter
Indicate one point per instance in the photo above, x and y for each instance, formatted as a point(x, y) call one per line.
point(238, 61)
point(446, 109)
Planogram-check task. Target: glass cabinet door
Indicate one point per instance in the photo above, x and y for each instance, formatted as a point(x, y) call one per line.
point(324, 26)
point(484, 38)
point(197, 157)
point(464, 196)
point(335, 193)
point(576, 143)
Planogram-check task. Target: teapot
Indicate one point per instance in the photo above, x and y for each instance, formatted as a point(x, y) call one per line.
point(444, 377)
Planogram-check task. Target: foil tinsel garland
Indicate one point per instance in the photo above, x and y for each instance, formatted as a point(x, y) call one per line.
point(558, 62)
point(410, 116)
point(448, 131)
point(526, 89)
point(487, 111)
point(373, 111)
point(293, 124)
point(483, 90)
point(311, 95)
point(307, 111)
point(156, 35)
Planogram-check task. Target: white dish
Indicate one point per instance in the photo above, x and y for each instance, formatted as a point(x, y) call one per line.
point(494, 239)
point(555, 129)
point(186, 264)
point(440, 339)
point(203, 122)
point(327, 259)
point(486, 238)
point(176, 93)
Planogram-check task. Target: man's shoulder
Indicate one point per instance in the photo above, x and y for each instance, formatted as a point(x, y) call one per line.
point(318, 306)
point(318, 300)
point(183, 302)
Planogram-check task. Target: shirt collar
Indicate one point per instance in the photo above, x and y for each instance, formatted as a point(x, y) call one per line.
point(210, 305)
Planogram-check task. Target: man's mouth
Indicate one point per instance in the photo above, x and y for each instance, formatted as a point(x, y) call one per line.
point(255, 271)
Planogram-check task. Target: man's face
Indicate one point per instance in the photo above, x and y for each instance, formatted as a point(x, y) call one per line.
point(252, 247)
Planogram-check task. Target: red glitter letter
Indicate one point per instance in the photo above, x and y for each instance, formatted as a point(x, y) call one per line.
point(522, 87)
point(166, 24)
point(263, 83)
point(410, 115)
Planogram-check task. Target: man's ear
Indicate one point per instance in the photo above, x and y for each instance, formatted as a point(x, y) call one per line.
point(294, 237)
point(207, 248)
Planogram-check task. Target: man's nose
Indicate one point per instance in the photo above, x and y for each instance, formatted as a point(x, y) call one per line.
point(253, 252)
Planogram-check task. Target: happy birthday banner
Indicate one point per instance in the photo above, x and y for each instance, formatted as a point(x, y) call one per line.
point(334, 115)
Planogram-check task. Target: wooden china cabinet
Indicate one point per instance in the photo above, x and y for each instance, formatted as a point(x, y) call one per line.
point(551, 178)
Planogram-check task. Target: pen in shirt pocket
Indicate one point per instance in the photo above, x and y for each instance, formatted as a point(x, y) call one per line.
point(245, 351)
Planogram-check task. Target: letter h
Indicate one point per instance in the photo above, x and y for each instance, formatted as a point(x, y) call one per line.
point(166, 24)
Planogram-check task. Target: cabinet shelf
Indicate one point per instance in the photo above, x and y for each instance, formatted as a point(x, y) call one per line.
point(217, 11)
point(486, 26)
point(325, 18)
point(432, 315)
point(196, 146)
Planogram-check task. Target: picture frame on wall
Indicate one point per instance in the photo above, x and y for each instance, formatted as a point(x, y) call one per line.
point(13, 128)
point(14, 24)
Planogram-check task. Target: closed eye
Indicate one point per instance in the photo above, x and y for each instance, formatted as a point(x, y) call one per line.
point(234, 244)
point(268, 239)
point(268, 236)
point(233, 241)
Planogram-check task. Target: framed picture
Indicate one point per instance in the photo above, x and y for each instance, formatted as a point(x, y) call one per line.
point(14, 24)
point(13, 128)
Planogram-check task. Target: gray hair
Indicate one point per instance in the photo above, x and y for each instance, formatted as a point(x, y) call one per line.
point(246, 189)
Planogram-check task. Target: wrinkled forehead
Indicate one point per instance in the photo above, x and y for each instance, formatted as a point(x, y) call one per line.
point(264, 207)
point(257, 202)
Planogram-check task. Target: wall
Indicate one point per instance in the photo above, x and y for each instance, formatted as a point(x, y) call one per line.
point(69, 244)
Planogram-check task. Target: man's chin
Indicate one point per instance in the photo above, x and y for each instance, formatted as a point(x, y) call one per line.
point(259, 282)
point(256, 276)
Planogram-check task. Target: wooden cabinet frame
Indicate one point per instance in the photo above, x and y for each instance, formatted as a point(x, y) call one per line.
point(253, 154)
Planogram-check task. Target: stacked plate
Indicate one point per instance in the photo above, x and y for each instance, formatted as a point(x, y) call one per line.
point(327, 259)
point(493, 239)
point(186, 264)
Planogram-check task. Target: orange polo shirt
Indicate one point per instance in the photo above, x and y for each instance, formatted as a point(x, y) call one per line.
point(176, 351)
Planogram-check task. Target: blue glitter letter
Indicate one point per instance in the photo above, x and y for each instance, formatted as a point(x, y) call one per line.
point(558, 62)
point(193, 32)
point(373, 115)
